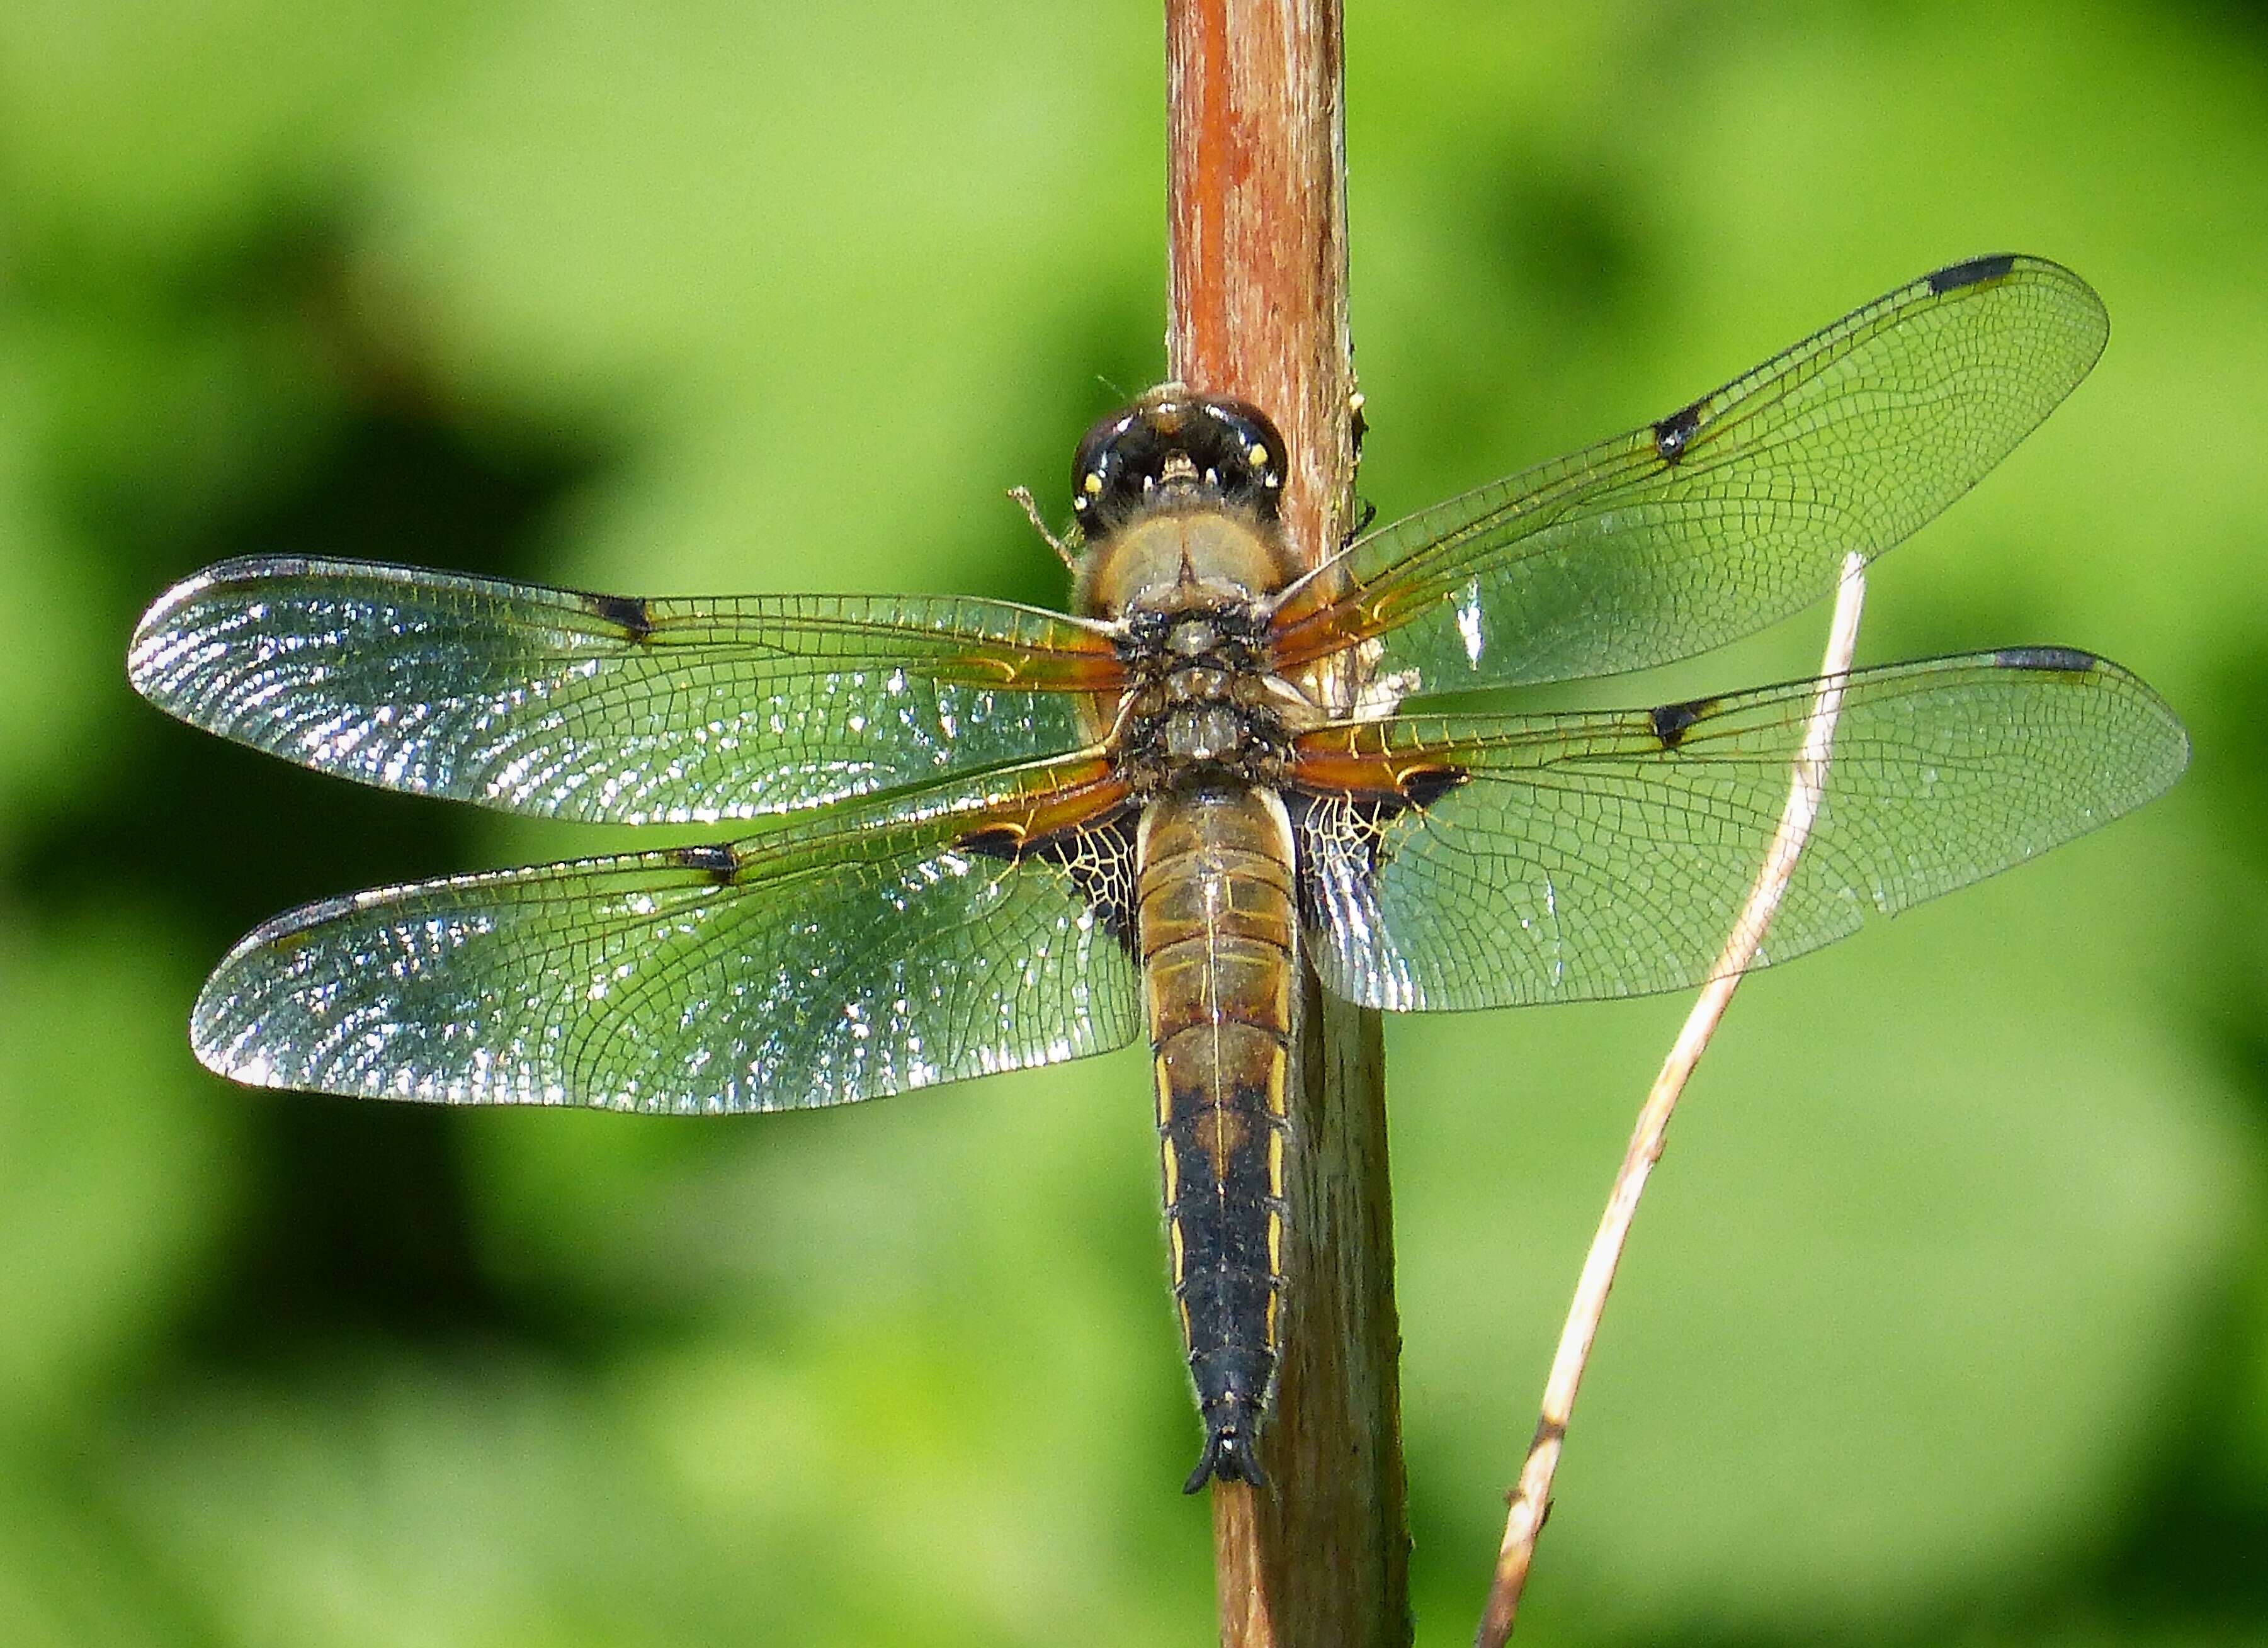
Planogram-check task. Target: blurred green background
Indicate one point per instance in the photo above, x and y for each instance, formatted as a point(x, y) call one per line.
point(1949, 1318)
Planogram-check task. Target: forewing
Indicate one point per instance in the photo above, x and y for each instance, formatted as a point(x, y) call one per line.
point(1571, 858)
point(1728, 515)
point(598, 708)
point(810, 965)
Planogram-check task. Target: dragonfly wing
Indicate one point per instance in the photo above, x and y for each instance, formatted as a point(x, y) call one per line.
point(609, 709)
point(1728, 515)
point(816, 964)
point(1571, 858)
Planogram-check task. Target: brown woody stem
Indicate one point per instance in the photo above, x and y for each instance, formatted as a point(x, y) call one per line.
point(1256, 203)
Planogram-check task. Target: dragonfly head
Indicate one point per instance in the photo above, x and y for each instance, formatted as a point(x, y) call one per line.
point(1176, 449)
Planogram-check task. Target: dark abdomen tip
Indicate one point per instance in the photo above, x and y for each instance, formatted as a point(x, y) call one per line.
point(630, 612)
point(1230, 1454)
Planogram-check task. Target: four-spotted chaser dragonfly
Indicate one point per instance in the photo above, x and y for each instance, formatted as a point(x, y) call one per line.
point(1003, 836)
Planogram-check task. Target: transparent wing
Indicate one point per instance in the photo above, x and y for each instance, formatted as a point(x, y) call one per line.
point(814, 964)
point(1730, 514)
point(609, 709)
point(1575, 857)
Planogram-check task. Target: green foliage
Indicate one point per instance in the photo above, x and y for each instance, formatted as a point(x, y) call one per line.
point(1949, 1317)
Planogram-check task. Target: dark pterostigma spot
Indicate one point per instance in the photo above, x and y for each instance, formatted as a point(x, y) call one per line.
point(1974, 272)
point(1674, 432)
point(719, 863)
point(1672, 721)
point(629, 611)
point(2067, 660)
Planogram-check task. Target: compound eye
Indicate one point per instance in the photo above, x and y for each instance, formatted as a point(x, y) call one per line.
point(1254, 450)
point(1095, 463)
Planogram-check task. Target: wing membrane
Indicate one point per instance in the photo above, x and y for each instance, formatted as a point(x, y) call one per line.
point(1728, 515)
point(607, 708)
point(1603, 855)
point(814, 964)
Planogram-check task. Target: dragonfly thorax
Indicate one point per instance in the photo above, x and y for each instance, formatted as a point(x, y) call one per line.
point(1203, 708)
point(1182, 556)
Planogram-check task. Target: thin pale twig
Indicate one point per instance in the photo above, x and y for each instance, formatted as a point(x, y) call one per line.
point(1530, 1500)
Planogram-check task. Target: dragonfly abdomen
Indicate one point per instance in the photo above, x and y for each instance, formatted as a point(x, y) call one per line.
point(1216, 925)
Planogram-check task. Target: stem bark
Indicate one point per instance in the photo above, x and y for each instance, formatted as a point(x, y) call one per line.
point(1256, 204)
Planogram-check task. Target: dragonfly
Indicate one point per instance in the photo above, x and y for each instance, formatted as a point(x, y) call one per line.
point(978, 837)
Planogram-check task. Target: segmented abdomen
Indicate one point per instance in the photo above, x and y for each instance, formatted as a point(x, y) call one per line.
point(1217, 923)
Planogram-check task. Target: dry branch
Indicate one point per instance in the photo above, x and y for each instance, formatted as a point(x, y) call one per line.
point(1530, 1501)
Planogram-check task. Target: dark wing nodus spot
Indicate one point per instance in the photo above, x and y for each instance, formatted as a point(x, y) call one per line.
point(1673, 721)
point(632, 614)
point(1672, 435)
point(2065, 660)
point(1974, 272)
point(719, 863)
